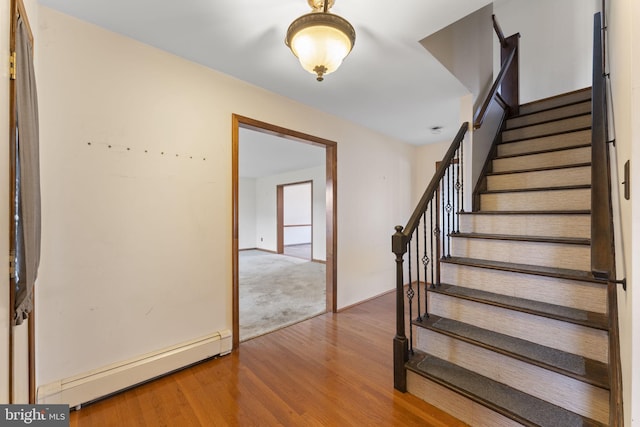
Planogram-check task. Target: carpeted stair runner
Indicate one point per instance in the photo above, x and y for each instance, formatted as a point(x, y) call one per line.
point(573, 315)
point(515, 404)
point(576, 366)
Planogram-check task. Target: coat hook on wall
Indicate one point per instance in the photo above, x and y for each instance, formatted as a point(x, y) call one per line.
point(146, 151)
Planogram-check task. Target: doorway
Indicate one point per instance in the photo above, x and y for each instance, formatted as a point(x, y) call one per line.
point(295, 219)
point(240, 124)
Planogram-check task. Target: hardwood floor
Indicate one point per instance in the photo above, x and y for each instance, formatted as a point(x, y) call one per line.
point(332, 370)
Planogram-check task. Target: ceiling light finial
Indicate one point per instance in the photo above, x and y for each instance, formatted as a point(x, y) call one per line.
point(320, 39)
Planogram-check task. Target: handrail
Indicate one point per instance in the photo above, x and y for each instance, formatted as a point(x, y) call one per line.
point(601, 224)
point(507, 80)
point(498, 30)
point(493, 93)
point(602, 232)
point(412, 224)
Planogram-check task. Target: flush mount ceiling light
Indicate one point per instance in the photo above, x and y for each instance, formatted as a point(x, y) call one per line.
point(320, 39)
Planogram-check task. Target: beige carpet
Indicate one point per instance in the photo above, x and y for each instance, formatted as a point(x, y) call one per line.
point(278, 291)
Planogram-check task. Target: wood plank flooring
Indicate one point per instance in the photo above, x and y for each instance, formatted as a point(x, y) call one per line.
point(332, 370)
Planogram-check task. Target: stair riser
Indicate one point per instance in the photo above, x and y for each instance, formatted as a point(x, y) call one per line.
point(584, 341)
point(551, 128)
point(548, 115)
point(578, 199)
point(464, 409)
point(571, 156)
point(564, 225)
point(558, 255)
point(556, 101)
point(563, 391)
point(569, 293)
point(554, 142)
point(540, 179)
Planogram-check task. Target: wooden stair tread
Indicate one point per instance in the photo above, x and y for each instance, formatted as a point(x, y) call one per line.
point(560, 273)
point(524, 238)
point(574, 132)
point(557, 312)
point(539, 130)
point(549, 115)
point(555, 101)
point(541, 169)
point(522, 190)
point(512, 403)
point(550, 150)
point(572, 365)
point(551, 108)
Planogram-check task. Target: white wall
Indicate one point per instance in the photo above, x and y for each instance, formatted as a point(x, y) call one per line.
point(136, 246)
point(624, 65)
point(297, 211)
point(266, 208)
point(555, 43)
point(247, 213)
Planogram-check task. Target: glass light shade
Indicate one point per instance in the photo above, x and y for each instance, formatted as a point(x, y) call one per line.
point(321, 41)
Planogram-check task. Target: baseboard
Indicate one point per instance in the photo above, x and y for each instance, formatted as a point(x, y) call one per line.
point(365, 300)
point(267, 251)
point(107, 380)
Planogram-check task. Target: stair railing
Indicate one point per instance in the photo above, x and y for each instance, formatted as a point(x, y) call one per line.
point(603, 264)
point(426, 238)
point(601, 217)
point(505, 89)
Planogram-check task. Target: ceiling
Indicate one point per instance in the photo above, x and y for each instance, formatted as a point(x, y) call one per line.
point(389, 83)
point(262, 154)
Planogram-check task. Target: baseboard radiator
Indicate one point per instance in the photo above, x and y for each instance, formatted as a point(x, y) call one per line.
point(107, 380)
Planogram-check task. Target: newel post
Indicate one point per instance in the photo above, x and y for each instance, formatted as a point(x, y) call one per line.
point(510, 88)
point(400, 343)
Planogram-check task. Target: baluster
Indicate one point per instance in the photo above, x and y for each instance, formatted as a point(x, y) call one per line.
point(442, 221)
point(462, 175)
point(410, 294)
point(417, 233)
point(457, 198)
point(449, 210)
point(425, 262)
point(433, 233)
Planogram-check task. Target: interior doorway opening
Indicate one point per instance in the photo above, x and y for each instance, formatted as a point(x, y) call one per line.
point(295, 219)
point(323, 228)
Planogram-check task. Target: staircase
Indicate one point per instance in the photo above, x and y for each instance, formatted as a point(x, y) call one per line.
point(517, 331)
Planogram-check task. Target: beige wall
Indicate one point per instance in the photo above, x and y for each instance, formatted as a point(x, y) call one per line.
point(624, 60)
point(136, 246)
